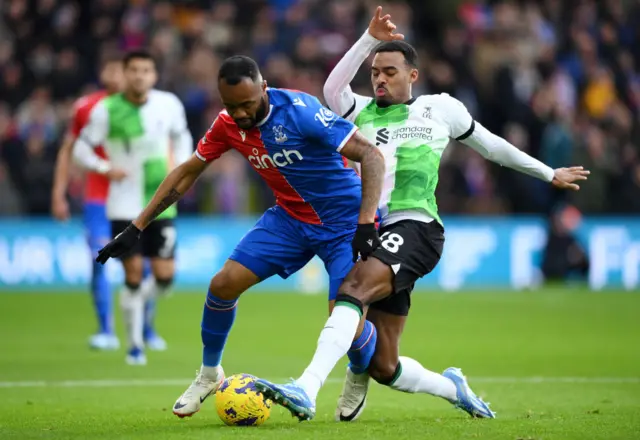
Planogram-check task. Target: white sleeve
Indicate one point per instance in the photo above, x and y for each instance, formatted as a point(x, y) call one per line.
point(498, 150)
point(97, 127)
point(92, 135)
point(463, 128)
point(181, 139)
point(456, 116)
point(337, 92)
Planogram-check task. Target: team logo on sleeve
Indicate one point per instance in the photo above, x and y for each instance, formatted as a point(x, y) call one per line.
point(278, 132)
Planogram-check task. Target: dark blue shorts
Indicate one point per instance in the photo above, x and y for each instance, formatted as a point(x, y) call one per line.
point(97, 227)
point(281, 245)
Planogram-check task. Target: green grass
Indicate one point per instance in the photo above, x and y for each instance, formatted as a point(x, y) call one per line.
point(584, 347)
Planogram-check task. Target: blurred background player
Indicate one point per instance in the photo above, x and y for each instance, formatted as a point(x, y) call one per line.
point(144, 133)
point(96, 224)
point(412, 133)
point(323, 208)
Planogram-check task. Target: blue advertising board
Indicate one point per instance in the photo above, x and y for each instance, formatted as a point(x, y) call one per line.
point(480, 252)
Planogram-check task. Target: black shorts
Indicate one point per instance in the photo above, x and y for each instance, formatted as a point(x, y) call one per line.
point(411, 249)
point(158, 240)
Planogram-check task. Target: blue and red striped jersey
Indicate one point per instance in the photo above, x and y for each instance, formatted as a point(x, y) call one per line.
point(296, 150)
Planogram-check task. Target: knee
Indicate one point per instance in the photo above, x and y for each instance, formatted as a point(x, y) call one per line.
point(223, 286)
point(132, 285)
point(366, 283)
point(383, 371)
point(133, 279)
point(133, 270)
point(164, 283)
point(354, 288)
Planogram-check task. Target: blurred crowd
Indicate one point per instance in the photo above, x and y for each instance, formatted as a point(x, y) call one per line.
point(558, 79)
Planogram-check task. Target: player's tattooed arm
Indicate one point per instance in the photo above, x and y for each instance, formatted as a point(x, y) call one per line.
point(359, 149)
point(172, 188)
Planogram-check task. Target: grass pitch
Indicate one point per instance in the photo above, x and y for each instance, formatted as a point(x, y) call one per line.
point(554, 364)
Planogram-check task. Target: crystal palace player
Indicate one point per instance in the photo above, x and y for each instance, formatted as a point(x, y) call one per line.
point(299, 148)
point(412, 133)
point(96, 224)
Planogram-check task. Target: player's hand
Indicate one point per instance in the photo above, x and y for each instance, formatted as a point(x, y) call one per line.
point(60, 208)
point(120, 245)
point(365, 241)
point(116, 174)
point(564, 178)
point(381, 28)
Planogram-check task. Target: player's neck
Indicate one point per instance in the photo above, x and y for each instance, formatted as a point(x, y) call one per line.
point(135, 98)
point(408, 100)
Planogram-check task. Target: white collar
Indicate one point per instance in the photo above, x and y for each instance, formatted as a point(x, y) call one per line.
point(266, 117)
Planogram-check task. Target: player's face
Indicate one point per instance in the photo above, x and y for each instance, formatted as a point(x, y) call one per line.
point(391, 78)
point(112, 76)
point(140, 75)
point(246, 102)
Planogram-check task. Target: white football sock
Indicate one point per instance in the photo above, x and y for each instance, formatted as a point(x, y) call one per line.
point(334, 342)
point(414, 378)
point(211, 373)
point(150, 288)
point(132, 304)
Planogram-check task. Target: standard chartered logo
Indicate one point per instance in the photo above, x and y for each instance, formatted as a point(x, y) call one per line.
point(382, 136)
point(415, 132)
point(277, 160)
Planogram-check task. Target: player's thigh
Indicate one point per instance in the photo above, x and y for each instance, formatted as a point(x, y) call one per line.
point(97, 226)
point(132, 265)
point(411, 249)
point(368, 281)
point(132, 261)
point(232, 280)
point(389, 329)
point(333, 246)
point(274, 246)
point(163, 268)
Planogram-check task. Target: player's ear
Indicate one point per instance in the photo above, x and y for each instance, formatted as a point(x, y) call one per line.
point(414, 75)
point(264, 85)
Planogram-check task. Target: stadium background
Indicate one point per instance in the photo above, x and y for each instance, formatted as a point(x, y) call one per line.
point(557, 79)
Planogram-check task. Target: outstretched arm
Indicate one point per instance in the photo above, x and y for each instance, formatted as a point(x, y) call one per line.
point(172, 188)
point(463, 128)
point(498, 150)
point(359, 149)
point(337, 91)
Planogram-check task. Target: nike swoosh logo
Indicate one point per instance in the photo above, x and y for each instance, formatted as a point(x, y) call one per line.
point(202, 399)
point(179, 405)
point(351, 416)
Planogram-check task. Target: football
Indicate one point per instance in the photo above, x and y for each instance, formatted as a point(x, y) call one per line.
point(239, 403)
